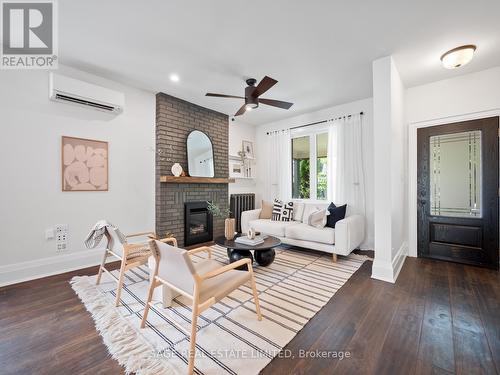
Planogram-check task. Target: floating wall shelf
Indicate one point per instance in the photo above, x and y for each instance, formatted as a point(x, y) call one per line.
point(195, 180)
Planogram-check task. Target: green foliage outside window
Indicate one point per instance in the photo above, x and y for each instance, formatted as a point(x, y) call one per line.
point(304, 185)
point(322, 178)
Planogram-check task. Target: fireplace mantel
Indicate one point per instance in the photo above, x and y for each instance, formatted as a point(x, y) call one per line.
point(195, 180)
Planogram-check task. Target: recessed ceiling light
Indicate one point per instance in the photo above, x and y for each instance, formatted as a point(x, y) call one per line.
point(458, 57)
point(174, 77)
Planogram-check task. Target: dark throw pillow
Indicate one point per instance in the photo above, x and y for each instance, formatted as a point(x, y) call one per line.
point(336, 214)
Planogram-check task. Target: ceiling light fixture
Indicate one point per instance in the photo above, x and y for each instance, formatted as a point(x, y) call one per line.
point(458, 57)
point(174, 77)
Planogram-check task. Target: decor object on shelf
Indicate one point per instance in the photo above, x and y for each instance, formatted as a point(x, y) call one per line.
point(248, 149)
point(200, 154)
point(84, 164)
point(177, 170)
point(241, 164)
point(235, 169)
point(253, 93)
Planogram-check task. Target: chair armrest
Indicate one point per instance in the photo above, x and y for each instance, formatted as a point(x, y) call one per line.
point(349, 233)
point(200, 249)
point(140, 234)
point(170, 240)
point(228, 267)
point(247, 217)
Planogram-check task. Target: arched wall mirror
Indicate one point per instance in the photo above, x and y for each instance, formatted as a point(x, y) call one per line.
point(200, 155)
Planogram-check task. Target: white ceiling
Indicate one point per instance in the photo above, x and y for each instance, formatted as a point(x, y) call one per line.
point(319, 51)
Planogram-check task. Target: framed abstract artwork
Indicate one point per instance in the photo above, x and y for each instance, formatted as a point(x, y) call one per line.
point(84, 164)
point(248, 149)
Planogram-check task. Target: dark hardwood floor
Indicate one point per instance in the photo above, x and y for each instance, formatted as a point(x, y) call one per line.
point(439, 318)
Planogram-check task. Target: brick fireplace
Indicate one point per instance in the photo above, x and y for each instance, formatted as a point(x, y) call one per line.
point(175, 119)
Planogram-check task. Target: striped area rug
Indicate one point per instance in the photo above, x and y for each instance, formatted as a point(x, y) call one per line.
point(230, 339)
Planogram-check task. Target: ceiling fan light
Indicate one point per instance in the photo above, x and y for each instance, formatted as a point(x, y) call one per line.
point(458, 57)
point(251, 106)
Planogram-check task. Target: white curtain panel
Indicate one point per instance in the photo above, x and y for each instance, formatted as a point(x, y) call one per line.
point(346, 183)
point(279, 168)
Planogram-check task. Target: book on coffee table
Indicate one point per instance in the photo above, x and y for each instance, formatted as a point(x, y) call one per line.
point(244, 240)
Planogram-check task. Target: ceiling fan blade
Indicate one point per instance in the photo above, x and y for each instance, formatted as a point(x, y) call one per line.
point(263, 86)
point(241, 110)
point(275, 103)
point(223, 95)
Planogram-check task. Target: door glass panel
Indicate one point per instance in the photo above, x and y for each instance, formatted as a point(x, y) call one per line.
point(455, 167)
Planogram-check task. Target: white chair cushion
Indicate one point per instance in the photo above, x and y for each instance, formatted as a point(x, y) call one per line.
point(308, 233)
point(273, 228)
point(206, 265)
point(220, 286)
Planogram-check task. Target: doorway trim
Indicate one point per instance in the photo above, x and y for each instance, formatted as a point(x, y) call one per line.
point(412, 165)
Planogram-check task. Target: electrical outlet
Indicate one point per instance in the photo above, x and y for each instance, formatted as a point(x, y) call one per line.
point(61, 237)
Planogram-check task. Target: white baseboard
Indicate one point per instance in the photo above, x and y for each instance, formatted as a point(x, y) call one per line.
point(35, 269)
point(389, 271)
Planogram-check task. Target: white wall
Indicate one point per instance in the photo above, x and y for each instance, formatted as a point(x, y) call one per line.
point(465, 97)
point(389, 183)
point(239, 132)
point(31, 199)
point(466, 94)
point(365, 106)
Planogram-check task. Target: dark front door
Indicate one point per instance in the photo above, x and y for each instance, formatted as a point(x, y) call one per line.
point(458, 192)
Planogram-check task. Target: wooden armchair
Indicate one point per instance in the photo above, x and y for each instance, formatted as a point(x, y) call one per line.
point(204, 283)
point(131, 255)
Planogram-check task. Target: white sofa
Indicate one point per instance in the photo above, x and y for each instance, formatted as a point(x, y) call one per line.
point(344, 238)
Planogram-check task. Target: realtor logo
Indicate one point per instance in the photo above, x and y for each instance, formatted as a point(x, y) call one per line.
point(29, 35)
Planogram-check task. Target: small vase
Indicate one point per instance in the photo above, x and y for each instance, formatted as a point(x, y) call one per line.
point(229, 228)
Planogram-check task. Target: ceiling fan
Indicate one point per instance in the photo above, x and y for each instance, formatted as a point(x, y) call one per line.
point(253, 93)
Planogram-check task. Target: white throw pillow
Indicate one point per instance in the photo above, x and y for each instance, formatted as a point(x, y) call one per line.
point(298, 211)
point(318, 218)
point(308, 210)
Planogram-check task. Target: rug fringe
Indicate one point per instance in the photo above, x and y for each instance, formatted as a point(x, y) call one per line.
point(124, 344)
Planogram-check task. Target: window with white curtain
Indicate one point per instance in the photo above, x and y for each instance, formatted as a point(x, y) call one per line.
point(310, 165)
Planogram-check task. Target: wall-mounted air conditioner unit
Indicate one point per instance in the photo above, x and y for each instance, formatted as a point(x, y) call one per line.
point(69, 90)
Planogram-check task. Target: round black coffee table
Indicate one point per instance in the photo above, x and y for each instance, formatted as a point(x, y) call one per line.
point(264, 252)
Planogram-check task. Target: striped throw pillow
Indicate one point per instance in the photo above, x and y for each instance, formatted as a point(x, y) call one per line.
point(282, 211)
